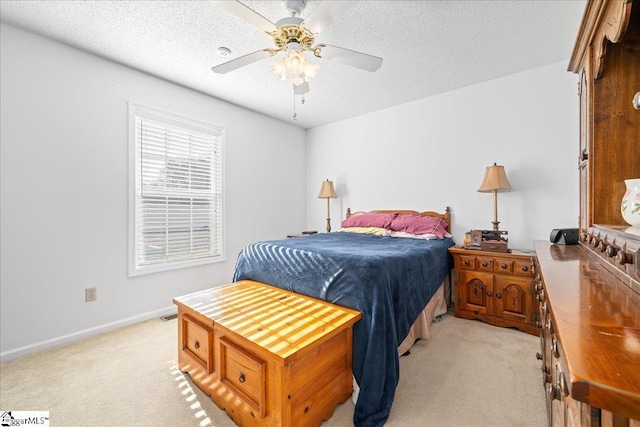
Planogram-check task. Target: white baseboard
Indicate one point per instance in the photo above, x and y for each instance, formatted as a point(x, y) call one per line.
point(65, 339)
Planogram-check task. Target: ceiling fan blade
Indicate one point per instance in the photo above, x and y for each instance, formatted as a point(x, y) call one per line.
point(234, 64)
point(326, 14)
point(301, 89)
point(246, 13)
point(349, 57)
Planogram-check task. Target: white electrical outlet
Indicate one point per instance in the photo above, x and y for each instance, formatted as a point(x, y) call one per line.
point(90, 294)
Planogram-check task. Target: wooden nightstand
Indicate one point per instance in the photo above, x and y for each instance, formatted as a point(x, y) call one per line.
point(497, 288)
point(303, 234)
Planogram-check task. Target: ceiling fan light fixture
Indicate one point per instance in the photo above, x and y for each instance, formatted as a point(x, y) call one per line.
point(294, 68)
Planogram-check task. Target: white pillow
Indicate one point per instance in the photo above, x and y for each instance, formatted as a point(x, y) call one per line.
point(427, 236)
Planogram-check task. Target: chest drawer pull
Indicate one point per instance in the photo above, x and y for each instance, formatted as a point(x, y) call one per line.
point(484, 264)
point(503, 266)
point(197, 345)
point(498, 295)
point(489, 293)
point(466, 262)
point(242, 378)
point(525, 268)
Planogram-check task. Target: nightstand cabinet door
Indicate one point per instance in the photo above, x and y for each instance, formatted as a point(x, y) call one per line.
point(514, 298)
point(476, 292)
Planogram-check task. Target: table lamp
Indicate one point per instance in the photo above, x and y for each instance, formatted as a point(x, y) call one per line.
point(495, 180)
point(327, 192)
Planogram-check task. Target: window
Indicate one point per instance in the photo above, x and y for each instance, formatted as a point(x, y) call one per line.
point(176, 191)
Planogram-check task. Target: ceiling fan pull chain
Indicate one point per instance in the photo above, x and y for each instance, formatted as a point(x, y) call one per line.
point(295, 115)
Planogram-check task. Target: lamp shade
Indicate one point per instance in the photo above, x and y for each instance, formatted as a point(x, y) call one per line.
point(495, 179)
point(327, 191)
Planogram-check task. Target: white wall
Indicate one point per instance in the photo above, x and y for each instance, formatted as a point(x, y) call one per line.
point(432, 153)
point(64, 183)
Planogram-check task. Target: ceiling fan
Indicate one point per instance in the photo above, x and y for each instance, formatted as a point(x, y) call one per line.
point(293, 36)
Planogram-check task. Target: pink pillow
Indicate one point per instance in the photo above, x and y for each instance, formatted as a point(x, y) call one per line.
point(369, 220)
point(418, 224)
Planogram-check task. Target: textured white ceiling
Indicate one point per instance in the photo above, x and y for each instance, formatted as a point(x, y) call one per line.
point(429, 47)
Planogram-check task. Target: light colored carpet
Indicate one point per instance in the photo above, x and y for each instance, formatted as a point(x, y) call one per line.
point(467, 374)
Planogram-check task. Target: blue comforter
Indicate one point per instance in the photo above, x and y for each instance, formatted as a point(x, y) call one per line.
point(388, 279)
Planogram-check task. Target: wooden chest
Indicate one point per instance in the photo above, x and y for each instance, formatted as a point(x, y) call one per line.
point(266, 356)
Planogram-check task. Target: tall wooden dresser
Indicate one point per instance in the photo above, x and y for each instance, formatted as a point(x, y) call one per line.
point(589, 294)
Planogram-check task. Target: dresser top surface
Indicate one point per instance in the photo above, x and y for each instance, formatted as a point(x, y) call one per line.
point(279, 321)
point(597, 320)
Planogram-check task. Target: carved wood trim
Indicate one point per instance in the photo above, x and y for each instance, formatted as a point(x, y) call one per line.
point(603, 21)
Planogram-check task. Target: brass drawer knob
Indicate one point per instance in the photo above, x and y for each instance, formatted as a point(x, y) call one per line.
point(554, 392)
point(197, 345)
point(525, 268)
point(498, 295)
point(466, 262)
point(242, 378)
point(503, 266)
point(485, 264)
point(554, 348)
point(624, 258)
point(489, 293)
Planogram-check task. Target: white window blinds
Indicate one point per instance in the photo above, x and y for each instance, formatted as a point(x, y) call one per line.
point(177, 218)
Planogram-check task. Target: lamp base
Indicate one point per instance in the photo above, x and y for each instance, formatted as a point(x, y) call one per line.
point(328, 225)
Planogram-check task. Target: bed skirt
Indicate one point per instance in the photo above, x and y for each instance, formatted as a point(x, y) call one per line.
point(421, 328)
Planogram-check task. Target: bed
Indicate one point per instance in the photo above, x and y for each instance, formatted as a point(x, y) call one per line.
point(391, 265)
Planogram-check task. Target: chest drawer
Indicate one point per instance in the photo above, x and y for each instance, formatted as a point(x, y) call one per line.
point(197, 341)
point(244, 373)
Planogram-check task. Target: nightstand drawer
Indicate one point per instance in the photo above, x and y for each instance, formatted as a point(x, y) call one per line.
point(484, 264)
point(467, 262)
point(523, 268)
point(503, 266)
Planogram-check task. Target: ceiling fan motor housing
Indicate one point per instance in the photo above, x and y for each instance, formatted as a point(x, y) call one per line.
point(291, 30)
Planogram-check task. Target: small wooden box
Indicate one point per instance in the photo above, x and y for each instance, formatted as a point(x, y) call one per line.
point(494, 246)
point(266, 356)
